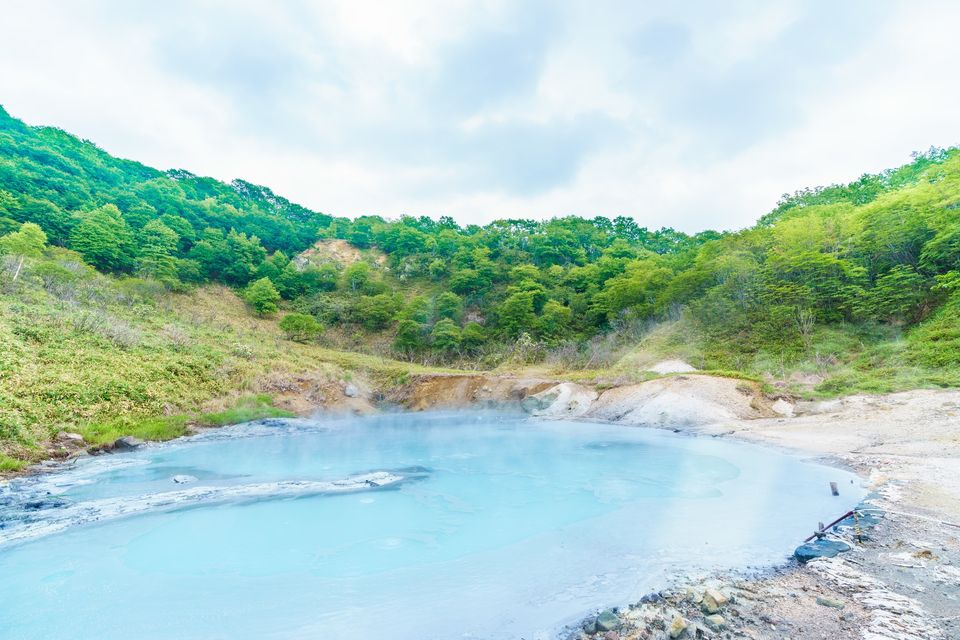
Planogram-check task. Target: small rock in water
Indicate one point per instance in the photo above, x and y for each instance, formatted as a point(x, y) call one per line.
point(822, 548)
point(607, 621)
point(183, 479)
point(127, 443)
point(715, 622)
point(829, 602)
point(677, 627)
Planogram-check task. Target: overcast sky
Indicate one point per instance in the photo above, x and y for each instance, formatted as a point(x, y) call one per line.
point(693, 115)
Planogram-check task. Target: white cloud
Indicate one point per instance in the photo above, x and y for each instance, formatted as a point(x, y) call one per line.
point(693, 117)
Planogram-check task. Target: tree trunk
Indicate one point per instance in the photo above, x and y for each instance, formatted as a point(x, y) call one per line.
point(16, 274)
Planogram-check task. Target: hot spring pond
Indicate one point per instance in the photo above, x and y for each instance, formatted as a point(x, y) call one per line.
point(403, 527)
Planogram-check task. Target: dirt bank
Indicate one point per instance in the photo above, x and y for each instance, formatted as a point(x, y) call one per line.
point(477, 391)
point(688, 400)
point(912, 438)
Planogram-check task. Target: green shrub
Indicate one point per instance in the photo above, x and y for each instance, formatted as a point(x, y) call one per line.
point(263, 297)
point(300, 327)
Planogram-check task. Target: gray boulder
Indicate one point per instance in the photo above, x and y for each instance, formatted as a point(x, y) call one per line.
point(127, 443)
point(715, 622)
point(820, 548)
point(607, 621)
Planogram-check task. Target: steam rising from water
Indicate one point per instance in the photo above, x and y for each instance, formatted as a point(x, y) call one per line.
point(404, 526)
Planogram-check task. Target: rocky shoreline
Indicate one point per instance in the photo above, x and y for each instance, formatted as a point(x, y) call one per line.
point(898, 581)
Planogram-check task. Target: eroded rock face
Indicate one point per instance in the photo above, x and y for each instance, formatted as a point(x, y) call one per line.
point(674, 402)
point(565, 399)
point(681, 401)
point(468, 391)
point(783, 408)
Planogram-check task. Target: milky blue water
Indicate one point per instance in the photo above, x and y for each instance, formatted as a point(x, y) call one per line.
point(471, 526)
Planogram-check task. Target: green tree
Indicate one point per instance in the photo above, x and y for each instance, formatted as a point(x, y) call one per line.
point(376, 312)
point(417, 309)
point(300, 327)
point(28, 242)
point(262, 296)
point(445, 336)
point(516, 314)
point(357, 276)
point(473, 336)
point(103, 239)
point(899, 294)
point(409, 337)
point(448, 305)
point(555, 320)
point(158, 244)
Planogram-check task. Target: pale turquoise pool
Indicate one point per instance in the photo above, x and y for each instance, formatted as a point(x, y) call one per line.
point(485, 526)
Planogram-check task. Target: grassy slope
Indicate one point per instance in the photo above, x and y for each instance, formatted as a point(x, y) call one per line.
point(110, 358)
point(841, 359)
point(147, 364)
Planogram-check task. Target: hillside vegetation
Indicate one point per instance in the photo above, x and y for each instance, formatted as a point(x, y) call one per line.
point(119, 290)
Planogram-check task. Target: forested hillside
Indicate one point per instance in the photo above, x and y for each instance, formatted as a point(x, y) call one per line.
point(848, 279)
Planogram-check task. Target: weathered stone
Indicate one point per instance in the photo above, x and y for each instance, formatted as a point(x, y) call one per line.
point(67, 436)
point(715, 622)
point(590, 626)
point(127, 443)
point(829, 602)
point(611, 635)
point(694, 596)
point(677, 627)
point(820, 548)
point(715, 597)
point(350, 390)
point(607, 621)
point(783, 408)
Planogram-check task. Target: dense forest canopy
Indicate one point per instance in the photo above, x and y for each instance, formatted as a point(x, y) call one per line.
point(882, 250)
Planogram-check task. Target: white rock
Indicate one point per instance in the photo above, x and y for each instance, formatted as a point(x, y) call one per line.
point(783, 408)
point(564, 399)
point(672, 366)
